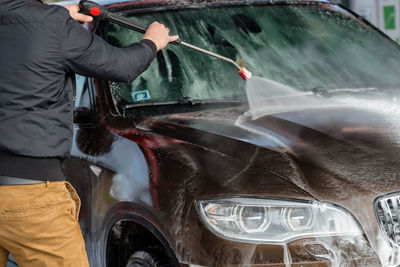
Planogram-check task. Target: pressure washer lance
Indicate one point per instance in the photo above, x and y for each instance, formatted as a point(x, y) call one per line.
point(101, 13)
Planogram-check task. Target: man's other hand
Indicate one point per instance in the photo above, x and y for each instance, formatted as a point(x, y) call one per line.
point(74, 13)
point(159, 34)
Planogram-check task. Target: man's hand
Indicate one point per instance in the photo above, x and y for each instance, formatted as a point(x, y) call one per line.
point(74, 13)
point(159, 34)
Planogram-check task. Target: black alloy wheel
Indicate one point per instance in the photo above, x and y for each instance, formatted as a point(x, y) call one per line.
point(154, 256)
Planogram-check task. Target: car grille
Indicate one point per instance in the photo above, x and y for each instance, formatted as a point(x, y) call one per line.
point(387, 211)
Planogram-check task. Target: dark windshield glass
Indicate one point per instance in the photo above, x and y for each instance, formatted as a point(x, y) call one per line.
point(302, 46)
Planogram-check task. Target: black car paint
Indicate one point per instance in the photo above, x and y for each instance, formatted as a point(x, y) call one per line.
point(177, 174)
point(190, 156)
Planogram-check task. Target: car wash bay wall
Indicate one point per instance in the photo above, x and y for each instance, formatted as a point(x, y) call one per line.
point(384, 14)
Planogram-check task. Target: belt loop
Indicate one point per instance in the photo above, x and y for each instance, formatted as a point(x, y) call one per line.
point(47, 183)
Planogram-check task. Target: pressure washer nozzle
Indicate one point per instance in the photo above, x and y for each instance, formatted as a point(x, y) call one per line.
point(245, 74)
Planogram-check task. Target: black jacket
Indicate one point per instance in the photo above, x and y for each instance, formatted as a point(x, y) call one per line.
point(40, 49)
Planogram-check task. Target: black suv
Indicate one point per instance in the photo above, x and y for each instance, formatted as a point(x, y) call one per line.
point(190, 165)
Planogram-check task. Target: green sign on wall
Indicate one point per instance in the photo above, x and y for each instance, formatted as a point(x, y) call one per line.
point(389, 16)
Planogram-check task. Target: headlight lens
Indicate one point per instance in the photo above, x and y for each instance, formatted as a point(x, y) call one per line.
point(253, 219)
point(297, 219)
point(274, 221)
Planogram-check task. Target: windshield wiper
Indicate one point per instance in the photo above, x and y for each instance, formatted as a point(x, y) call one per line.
point(183, 104)
point(183, 101)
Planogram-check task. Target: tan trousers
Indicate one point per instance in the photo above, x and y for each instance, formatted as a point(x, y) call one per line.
point(39, 225)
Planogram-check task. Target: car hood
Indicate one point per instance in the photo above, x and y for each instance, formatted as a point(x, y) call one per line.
point(356, 147)
point(346, 154)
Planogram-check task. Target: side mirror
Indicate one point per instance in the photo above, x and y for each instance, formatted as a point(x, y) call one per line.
point(83, 115)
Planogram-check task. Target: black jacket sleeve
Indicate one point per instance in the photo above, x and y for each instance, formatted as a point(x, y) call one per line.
point(87, 54)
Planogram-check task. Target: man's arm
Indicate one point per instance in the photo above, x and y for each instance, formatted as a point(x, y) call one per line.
point(153, 34)
point(87, 54)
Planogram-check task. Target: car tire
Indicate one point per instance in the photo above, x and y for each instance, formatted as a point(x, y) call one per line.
point(154, 256)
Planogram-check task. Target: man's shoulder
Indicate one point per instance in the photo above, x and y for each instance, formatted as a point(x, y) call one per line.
point(51, 13)
point(33, 12)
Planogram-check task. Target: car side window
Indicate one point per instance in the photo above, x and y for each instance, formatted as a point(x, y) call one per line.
point(80, 80)
point(82, 96)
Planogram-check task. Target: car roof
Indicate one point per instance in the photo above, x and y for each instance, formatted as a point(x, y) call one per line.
point(182, 2)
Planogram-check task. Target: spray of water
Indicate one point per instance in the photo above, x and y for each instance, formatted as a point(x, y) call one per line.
point(268, 97)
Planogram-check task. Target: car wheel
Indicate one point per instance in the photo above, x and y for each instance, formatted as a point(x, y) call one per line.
point(149, 257)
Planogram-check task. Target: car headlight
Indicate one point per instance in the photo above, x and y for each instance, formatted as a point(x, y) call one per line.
point(274, 221)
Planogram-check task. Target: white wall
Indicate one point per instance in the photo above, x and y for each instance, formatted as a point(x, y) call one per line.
point(384, 14)
point(366, 8)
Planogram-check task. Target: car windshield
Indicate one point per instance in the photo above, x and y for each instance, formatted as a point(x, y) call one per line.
point(302, 46)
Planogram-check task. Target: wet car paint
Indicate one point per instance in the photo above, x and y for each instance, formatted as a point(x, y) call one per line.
point(339, 162)
point(165, 176)
point(158, 167)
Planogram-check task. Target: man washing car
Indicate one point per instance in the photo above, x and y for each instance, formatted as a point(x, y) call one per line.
point(40, 50)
